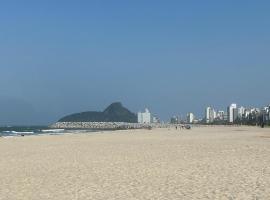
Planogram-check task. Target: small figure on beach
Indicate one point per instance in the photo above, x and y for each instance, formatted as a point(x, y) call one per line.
point(261, 121)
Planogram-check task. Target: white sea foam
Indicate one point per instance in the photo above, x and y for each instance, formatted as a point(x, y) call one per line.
point(52, 130)
point(22, 132)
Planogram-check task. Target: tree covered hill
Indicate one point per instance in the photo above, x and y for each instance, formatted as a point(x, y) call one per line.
point(114, 113)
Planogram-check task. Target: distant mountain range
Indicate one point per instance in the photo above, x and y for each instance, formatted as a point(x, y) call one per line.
point(113, 113)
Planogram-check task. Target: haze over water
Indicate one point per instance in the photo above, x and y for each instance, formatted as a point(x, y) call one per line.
point(173, 57)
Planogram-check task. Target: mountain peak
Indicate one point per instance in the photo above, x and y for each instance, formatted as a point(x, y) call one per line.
point(113, 107)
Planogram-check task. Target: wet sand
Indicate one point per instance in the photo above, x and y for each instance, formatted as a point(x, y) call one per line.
point(202, 163)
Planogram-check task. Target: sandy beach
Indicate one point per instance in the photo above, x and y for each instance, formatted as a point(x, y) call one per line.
point(202, 163)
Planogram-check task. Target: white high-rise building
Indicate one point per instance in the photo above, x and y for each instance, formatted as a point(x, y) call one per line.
point(247, 113)
point(241, 112)
point(144, 117)
point(190, 117)
point(268, 112)
point(214, 114)
point(221, 115)
point(209, 115)
point(232, 113)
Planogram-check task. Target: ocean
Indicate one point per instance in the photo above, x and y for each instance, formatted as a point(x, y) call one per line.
point(10, 131)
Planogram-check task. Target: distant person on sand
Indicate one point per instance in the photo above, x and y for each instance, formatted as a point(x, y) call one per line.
point(261, 121)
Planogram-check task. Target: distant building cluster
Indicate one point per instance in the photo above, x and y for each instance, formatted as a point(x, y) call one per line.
point(146, 117)
point(238, 115)
point(190, 119)
point(232, 115)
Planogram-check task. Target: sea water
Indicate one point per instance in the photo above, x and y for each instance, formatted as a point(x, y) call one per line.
point(10, 131)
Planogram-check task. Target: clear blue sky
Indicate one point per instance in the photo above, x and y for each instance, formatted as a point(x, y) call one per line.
point(60, 57)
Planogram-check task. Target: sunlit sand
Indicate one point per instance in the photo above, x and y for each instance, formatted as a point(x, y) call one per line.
point(201, 163)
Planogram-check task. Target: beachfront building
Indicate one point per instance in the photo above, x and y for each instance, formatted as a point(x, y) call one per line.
point(247, 113)
point(155, 119)
point(241, 112)
point(265, 113)
point(190, 118)
point(214, 114)
point(175, 120)
point(268, 111)
point(209, 115)
point(144, 117)
point(232, 113)
point(220, 115)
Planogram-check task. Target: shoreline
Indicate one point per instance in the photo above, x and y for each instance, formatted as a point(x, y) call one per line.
point(70, 131)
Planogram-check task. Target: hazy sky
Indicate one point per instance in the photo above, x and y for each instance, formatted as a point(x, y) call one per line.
point(60, 57)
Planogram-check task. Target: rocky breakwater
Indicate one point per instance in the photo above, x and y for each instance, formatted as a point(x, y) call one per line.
point(104, 125)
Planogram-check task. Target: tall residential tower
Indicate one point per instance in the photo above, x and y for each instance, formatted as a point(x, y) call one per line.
point(209, 115)
point(144, 117)
point(232, 113)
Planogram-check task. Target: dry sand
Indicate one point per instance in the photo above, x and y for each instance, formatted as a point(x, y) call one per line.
point(203, 163)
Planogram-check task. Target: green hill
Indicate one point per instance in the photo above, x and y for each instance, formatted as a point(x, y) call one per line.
point(114, 113)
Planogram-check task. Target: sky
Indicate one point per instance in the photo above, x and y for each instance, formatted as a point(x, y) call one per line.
point(173, 57)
